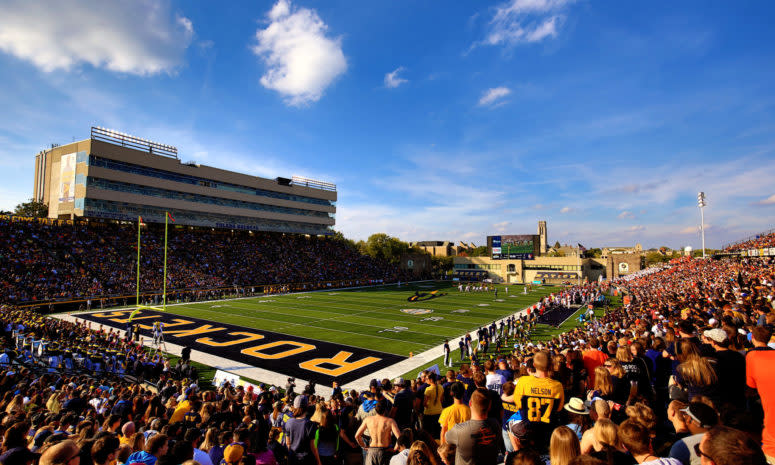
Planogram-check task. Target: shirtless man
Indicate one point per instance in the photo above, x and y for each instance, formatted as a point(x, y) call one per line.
point(380, 427)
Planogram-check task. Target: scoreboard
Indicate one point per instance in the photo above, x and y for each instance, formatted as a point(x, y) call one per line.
point(513, 247)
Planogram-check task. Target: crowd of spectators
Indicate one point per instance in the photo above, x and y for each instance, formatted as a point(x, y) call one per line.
point(680, 375)
point(761, 241)
point(43, 262)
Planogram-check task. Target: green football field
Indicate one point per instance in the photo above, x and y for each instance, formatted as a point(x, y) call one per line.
point(371, 318)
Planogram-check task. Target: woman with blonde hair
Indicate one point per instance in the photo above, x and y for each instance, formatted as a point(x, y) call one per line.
point(563, 446)
point(604, 444)
point(137, 442)
point(624, 390)
point(211, 439)
point(643, 415)
point(421, 454)
point(699, 378)
point(603, 385)
point(16, 405)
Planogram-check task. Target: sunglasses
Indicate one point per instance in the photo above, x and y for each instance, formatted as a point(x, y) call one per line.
point(701, 453)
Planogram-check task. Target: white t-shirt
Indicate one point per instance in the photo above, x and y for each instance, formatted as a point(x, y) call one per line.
point(400, 458)
point(495, 382)
point(663, 461)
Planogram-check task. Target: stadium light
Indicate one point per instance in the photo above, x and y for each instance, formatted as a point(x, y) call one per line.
point(702, 203)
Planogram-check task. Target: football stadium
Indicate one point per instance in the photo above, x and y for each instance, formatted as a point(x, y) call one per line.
point(254, 310)
point(469, 268)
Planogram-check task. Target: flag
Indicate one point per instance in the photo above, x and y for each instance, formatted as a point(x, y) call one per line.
point(582, 249)
point(140, 220)
point(170, 217)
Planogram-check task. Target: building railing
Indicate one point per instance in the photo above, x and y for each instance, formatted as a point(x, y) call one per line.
point(306, 182)
point(125, 140)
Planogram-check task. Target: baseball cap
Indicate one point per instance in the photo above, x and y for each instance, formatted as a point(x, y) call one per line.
point(300, 402)
point(233, 453)
point(717, 335)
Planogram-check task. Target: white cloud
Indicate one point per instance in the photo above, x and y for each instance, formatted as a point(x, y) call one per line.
point(768, 201)
point(301, 61)
point(525, 21)
point(625, 215)
point(494, 96)
point(392, 80)
point(691, 229)
point(566, 210)
point(636, 228)
point(502, 226)
point(140, 37)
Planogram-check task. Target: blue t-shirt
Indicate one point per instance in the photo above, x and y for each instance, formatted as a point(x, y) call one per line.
point(300, 431)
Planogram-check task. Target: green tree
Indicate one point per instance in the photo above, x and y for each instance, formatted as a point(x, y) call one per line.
point(557, 245)
point(385, 247)
point(594, 253)
point(480, 251)
point(338, 236)
point(32, 208)
point(442, 264)
point(653, 258)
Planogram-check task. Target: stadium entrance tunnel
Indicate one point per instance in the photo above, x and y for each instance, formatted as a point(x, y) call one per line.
point(318, 361)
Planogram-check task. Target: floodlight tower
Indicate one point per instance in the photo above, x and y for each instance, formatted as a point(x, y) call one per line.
point(701, 203)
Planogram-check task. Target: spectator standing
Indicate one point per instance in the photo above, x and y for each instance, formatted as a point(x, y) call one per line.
point(432, 406)
point(761, 377)
point(479, 441)
point(300, 434)
point(456, 413)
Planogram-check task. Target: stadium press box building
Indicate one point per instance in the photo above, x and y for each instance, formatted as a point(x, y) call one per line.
point(115, 176)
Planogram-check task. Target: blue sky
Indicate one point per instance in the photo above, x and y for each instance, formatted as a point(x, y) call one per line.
point(436, 120)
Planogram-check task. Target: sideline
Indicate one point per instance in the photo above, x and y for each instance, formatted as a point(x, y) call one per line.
point(221, 363)
point(279, 379)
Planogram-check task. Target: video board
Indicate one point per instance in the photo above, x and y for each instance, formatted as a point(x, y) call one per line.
point(513, 247)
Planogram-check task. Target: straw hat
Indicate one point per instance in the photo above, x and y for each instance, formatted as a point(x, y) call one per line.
point(576, 405)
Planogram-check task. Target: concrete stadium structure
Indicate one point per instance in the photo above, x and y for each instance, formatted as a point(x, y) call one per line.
point(115, 176)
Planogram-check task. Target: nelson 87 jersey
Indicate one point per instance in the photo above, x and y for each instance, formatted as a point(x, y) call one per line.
point(539, 399)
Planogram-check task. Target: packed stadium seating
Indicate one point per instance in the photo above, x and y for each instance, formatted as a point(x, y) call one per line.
point(761, 241)
point(42, 262)
point(679, 374)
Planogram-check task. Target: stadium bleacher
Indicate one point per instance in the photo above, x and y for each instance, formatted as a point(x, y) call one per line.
point(46, 262)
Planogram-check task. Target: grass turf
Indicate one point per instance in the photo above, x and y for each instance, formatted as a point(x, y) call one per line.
point(360, 317)
point(370, 318)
